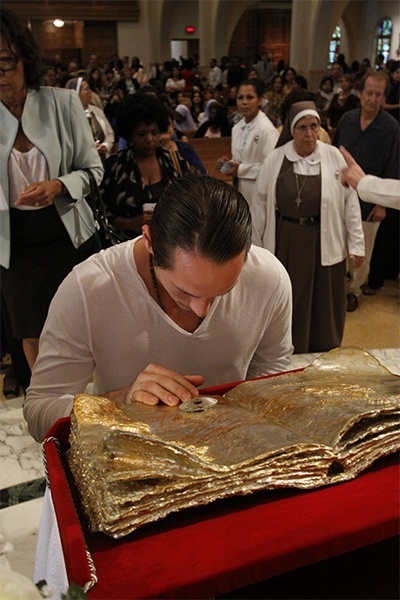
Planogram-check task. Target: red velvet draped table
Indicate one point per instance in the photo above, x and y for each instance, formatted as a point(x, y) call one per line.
point(211, 550)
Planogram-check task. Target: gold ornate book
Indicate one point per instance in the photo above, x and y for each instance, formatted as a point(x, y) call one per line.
point(135, 464)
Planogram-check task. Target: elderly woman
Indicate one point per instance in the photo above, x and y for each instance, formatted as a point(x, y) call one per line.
point(103, 133)
point(138, 174)
point(47, 227)
point(183, 119)
point(310, 221)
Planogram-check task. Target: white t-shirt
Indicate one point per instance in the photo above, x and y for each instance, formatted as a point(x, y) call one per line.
point(103, 318)
point(171, 84)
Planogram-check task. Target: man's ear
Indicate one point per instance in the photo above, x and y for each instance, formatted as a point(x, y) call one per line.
point(147, 238)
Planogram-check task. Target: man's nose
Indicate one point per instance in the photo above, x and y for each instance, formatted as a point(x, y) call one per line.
point(200, 306)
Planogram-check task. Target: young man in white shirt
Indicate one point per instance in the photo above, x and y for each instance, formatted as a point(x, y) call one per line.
point(189, 303)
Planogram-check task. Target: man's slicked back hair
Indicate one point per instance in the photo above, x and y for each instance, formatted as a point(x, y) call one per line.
point(202, 215)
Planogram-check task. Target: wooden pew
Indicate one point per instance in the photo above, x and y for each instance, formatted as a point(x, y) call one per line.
point(209, 150)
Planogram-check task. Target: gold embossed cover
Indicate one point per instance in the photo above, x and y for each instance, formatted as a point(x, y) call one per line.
point(135, 464)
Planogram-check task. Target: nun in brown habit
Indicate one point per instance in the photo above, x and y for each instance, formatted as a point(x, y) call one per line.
point(312, 224)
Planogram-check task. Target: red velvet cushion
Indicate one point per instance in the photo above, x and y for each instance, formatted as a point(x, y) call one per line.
point(231, 543)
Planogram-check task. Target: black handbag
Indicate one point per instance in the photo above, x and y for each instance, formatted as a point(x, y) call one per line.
point(106, 234)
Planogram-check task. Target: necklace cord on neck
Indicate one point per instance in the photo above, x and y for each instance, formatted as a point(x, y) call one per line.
point(154, 282)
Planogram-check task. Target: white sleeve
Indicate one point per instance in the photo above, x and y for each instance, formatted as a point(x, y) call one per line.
point(65, 363)
point(259, 207)
point(385, 192)
point(263, 209)
point(355, 234)
point(275, 348)
point(109, 137)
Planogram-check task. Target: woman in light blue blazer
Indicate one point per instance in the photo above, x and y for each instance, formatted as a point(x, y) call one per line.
point(46, 225)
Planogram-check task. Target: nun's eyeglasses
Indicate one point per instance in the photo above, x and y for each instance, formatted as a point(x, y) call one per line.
point(303, 128)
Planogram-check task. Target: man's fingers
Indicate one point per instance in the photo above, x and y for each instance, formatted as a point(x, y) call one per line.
point(343, 179)
point(157, 383)
point(347, 156)
point(152, 392)
point(177, 379)
point(144, 397)
point(196, 380)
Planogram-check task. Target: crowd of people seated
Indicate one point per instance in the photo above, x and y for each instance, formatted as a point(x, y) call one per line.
point(143, 120)
point(183, 83)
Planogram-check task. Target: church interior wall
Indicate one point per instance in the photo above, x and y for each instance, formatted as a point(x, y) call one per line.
point(362, 19)
point(217, 32)
point(133, 40)
point(181, 15)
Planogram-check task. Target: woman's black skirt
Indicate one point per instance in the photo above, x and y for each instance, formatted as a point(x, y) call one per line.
point(42, 255)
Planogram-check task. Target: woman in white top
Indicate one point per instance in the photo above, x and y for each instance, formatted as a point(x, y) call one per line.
point(253, 138)
point(103, 133)
point(176, 83)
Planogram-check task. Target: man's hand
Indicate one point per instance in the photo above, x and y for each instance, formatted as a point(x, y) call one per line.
point(40, 193)
point(351, 174)
point(157, 384)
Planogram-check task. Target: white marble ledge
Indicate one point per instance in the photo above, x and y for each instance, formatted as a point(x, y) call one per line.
point(20, 455)
point(10, 405)
point(19, 525)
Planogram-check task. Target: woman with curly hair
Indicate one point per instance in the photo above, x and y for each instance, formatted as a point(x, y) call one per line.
point(138, 174)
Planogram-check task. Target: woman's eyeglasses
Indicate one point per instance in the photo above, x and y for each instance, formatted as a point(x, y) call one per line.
point(8, 63)
point(303, 128)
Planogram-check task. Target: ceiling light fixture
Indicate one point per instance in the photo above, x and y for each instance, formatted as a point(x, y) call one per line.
point(58, 23)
